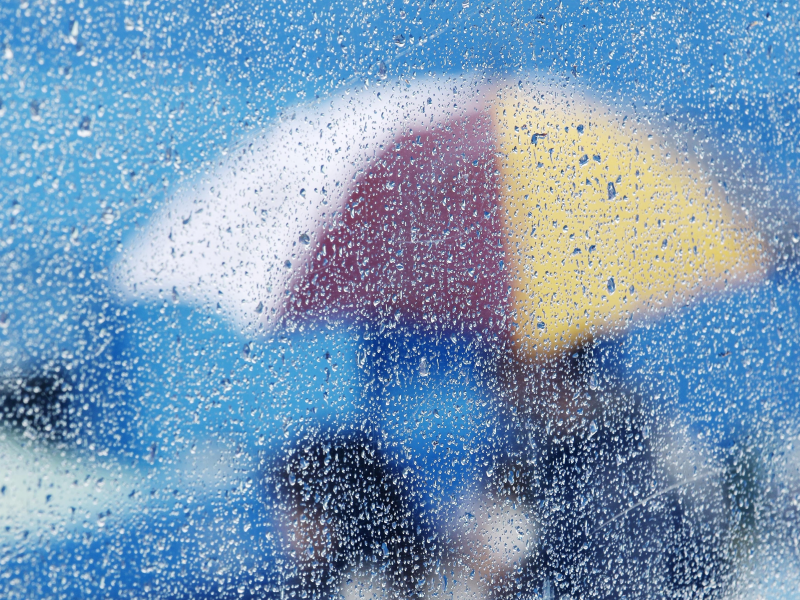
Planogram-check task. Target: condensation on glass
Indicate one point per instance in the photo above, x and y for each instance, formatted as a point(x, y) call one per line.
point(402, 300)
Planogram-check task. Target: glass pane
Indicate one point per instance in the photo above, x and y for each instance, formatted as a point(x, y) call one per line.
point(400, 300)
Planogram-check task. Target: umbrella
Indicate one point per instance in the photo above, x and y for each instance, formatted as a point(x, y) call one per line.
point(533, 210)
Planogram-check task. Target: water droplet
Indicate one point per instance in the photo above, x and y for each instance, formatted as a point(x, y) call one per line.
point(612, 191)
point(108, 216)
point(592, 429)
point(305, 239)
point(385, 549)
point(382, 70)
point(151, 455)
point(287, 264)
point(664, 245)
point(399, 40)
point(390, 185)
point(580, 130)
point(583, 159)
point(424, 367)
point(85, 127)
point(593, 381)
point(611, 285)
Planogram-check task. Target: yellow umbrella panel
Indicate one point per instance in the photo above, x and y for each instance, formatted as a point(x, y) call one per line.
point(605, 221)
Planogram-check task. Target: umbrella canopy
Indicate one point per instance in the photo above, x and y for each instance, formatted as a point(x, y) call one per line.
point(533, 210)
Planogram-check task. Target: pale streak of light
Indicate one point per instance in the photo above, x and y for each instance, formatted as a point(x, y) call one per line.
point(644, 501)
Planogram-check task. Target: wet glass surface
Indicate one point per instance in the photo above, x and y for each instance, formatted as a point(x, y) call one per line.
point(407, 300)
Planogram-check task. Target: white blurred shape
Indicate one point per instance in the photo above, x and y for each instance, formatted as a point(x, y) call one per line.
point(233, 239)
